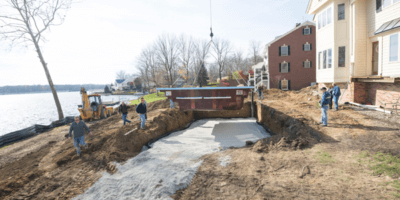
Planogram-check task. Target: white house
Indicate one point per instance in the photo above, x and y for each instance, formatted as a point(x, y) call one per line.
point(358, 47)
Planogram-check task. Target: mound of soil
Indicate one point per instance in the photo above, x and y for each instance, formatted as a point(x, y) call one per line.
point(278, 143)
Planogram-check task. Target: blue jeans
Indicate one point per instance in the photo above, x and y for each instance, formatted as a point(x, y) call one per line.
point(79, 141)
point(143, 119)
point(336, 100)
point(124, 118)
point(324, 115)
point(260, 95)
point(171, 103)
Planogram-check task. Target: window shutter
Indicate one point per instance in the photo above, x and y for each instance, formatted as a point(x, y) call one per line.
point(303, 47)
point(288, 84)
point(288, 67)
point(279, 67)
point(279, 51)
point(288, 50)
point(310, 30)
point(280, 85)
point(303, 31)
point(303, 64)
point(310, 64)
point(310, 47)
point(378, 6)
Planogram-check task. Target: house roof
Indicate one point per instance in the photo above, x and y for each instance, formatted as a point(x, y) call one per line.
point(119, 81)
point(390, 25)
point(307, 23)
point(308, 6)
point(258, 66)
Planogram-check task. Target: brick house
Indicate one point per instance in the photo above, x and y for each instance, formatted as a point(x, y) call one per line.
point(358, 48)
point(290, 58)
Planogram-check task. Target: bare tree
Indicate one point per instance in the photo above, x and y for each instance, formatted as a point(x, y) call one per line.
point(122, 75)
point(167, 55)
point(24, 22)
point(254, 50)
point(201, 52)
point(186, 51)
point(222, 49)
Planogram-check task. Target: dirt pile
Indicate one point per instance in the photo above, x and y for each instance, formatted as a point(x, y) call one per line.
point(278, 143)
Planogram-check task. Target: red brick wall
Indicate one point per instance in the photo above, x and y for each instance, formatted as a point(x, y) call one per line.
point(374, 93)
point(380, 93)
point(299, 77)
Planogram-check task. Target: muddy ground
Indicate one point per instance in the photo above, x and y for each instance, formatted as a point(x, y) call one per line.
point(355, 157)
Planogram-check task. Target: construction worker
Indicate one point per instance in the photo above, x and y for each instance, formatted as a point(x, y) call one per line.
point(336, 94)
point(330, 90)
point(123, 109)
point(78, 127)
point(260, 91)
point(171, 103)
point(142, 110)
point(324, 106)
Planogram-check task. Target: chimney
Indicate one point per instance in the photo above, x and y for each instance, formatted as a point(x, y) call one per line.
point(298, 24)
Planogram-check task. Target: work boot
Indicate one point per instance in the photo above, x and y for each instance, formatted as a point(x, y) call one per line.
point(323, 125)
point(79, 154)
point(86, 146)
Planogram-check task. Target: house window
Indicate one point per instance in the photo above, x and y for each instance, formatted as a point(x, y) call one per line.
point(307, 64)
point(324, 63)
point(284, 67)
point(284, 84)
point(319, 21)
point(341, 10)
point(324, 19)
point(329, 16)
point(307, 47)
point(386, 3)
point(394, 48)
point(319, 60)
point(284, 51)
point(342, 56)
point(395, 1)
point(306, 31)
point(378, 6)
point(329, 58)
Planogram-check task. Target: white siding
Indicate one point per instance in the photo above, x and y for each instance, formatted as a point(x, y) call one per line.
point(342, 38)
point(390, 68)
point(325, 40)
point(316, 5)
point(360, 57)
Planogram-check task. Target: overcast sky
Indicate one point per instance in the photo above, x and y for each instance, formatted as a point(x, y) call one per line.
point(102, 37)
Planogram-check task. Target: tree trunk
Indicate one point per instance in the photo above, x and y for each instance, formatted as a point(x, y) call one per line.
point(53, 90)
point(220, 77)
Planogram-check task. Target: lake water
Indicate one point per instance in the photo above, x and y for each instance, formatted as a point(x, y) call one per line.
point(23, 110)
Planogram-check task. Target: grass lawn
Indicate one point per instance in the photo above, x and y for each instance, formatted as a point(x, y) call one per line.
point(150, 98)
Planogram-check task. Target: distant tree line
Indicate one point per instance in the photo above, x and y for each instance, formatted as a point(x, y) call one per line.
point(170, 57)
point(20, 89)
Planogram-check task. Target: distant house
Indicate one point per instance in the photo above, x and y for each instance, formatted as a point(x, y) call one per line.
point(358, 47)
point(290, 58)
point(260, 76)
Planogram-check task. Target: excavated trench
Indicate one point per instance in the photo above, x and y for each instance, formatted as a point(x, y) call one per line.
point(173, 158)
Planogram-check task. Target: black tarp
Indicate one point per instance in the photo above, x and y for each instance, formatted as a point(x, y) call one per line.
point(32, 131)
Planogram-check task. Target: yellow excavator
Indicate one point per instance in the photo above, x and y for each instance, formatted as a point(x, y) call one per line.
point(92, 107)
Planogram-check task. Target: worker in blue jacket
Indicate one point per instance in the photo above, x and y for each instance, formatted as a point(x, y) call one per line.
point(324, 106)
point(141, 109)
point(336, 94)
